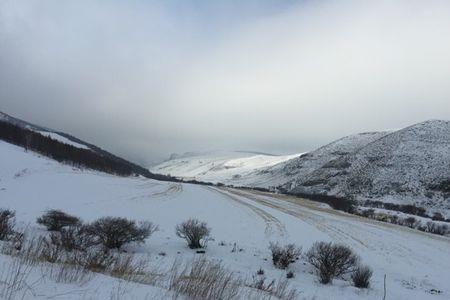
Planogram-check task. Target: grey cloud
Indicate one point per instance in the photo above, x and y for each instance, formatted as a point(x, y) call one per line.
point(147, 78)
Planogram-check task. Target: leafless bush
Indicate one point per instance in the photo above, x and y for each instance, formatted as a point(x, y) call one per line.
point(361, 276)
point(273, 288)
point(437, 216)
point(435, 228)
point(52, 250)
point(55, 219)
point(331, 260)
point(14, 244)
point(6, 223)
point(259, 283)
point(411, 222)
point(290, 274)
point(196, 233)
point(204, 279)
point(75, 238)
point(114, 232)
point(282, 256)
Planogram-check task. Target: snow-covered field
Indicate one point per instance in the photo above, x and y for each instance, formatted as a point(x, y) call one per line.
point(415, 264)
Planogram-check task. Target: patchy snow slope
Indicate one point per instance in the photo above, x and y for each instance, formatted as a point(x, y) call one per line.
point(236, 168)
point(415, 263)
point(64, 140)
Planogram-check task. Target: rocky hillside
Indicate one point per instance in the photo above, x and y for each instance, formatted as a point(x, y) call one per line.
point(411, 165)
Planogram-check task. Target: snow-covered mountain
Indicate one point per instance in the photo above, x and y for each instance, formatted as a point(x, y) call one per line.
point(67, 148)
point(406, 166)
point(229, 167)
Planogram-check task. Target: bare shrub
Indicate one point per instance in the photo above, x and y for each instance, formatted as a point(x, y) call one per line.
point(51, 250)
point(290, 274)
point(331, 260)
point(435, 228)
point(282, 256)
point(114, 232)
point(437, 216)
point(410, 222)
point(14, 244)
point(259, 283)
point(55, 219)
point(204, 279)
point(361, 276)
point(273, 288)
point(75, 238)
point(196, 233)
point(6, 223)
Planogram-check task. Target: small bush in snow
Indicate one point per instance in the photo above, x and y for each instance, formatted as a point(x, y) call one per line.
point(435, 228)
point(410, 222)
point(361, 276)
point(437, 216)
point(75, 238)
point(282, 256)
point(196, 233)
point(55, 220)
point(114, 232)
point(331, 260)
point(290, 274)
point(260, 272)
point(6, 223)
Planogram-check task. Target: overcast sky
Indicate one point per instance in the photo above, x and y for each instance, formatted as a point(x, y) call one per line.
point(144, 79)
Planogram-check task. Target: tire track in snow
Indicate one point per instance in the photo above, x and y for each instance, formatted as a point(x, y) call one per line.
point(311, 218)
point(271, 221)
point(172, 190)
point(345, 227)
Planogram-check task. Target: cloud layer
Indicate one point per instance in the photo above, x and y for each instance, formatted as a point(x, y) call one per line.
point(147, 78)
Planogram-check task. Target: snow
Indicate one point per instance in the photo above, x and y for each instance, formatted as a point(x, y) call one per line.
point(414, 262)
point(64, 140)
point(398, 167)
point(405, 166)
point(236, 168)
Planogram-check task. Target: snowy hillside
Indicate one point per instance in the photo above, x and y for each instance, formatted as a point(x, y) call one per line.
point(233, 168)
point(243, 223)
point(59, 136)
point(408, 166)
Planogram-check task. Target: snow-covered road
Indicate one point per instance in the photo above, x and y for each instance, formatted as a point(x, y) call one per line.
point(414, 260)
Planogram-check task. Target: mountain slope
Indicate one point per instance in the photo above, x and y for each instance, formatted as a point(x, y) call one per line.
point(411, 166)
point(66, 148)
point(233, 168)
